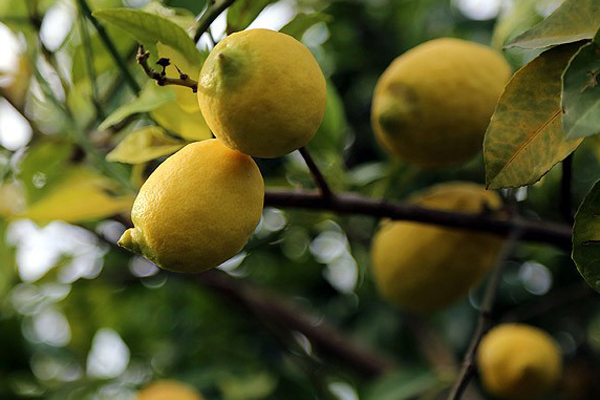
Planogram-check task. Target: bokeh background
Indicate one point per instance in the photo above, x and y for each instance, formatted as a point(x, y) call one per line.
point(82, 319)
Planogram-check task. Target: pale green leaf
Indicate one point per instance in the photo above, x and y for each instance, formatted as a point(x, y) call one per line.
point(144, 145)
point(188, 125)
point(151, 97)
point(150, 28)
point(241, 14)
point(302, 22)
point(525, 138)
point(574, 20)
point(586, 238)
point(581, 93)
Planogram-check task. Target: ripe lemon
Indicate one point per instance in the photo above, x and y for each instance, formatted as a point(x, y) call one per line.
point(432, 105)
point(518, 361)
point(197, 209)
point(168, 390)
point(423, 268)
point(262, 93)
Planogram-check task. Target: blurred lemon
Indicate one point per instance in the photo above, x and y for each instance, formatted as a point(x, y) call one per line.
point(262, 93)
point(423, 268)
point(518, 361)
point(197, 209)
point(432, 105)
point(168, 390)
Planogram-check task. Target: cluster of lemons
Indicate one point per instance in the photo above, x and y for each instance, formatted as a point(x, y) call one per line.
point(431, 108)
point(262, 94)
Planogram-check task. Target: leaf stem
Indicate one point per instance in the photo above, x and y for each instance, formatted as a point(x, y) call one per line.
point(326, 192)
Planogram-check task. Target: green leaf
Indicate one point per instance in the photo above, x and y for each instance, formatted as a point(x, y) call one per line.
point(151, 28)
point(522, 16)
point(574, 20)
point(586, 238)
point(402, 385)
point(581, 93)
point(144, 145)
point(302, 22)
point(525, 138)
point(241, 14)
point(151, 97)
point(188, 125)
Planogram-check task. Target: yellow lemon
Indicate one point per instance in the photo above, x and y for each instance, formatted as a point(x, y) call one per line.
point(518, 361)
point(432, 105)
point(197, 209)
point(168, 390)
point(262, 93)
point(423, 268)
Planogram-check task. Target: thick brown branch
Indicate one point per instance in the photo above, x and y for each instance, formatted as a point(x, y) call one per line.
point(326, 192)
point(349, 203)
point(325, 337)
point(160, 77)
point(484, 320)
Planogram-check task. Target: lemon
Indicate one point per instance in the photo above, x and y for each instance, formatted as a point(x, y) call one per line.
point(197, 209)
point(168, 390)
point(423, 268)
point(262, 93)
point(432, 105)
point(518, 361)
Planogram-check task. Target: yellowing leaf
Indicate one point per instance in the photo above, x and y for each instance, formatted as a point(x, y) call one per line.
point(82, 196)
point(144, 145)
point(525, 137)
point(12, 199)
point(190, 126)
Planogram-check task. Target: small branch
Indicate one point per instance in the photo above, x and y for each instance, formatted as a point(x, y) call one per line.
point(484, 320)
point(566, 184)
point(110, 46)
point(350, 203)
point(160, 77)
point(324, 337)
point(89, 61)
point(326, 192)
point(215, 8)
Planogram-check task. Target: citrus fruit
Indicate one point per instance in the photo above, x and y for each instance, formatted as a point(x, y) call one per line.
point(517, 361)
point(423, 268)
point(197, 209)
point(432, 105)
point(262, 93)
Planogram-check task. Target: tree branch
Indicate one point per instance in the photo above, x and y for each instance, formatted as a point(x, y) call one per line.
point(484, 320)
point(161, 77)
point(326, 192)
point(215, 8)
point(324, 337)
point(110, 46)
point(349, 203)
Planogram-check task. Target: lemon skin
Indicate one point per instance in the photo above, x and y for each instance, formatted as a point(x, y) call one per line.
point(517, 361)
point(432, 105)
point(197, 209)
point(262, 93)
point(168, 390)
point(423, 268)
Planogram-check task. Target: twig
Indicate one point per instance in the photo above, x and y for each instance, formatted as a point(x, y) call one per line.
point(325, 337)
point(350, 203)
point(161, 77)
point(110, 46)
point(89, 61)
point(326, 192)
point(484, 319)
point(565, 189)
point(215, 8)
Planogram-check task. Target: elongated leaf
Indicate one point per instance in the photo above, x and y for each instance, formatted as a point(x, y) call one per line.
point(586, 238)
point(302, 22)
point(243, 12)
point(152, 97)
point(81, 196)
point(525, 137)
point(574, 20)
point(144, 145)
point(581, 93)
point(151, 28)
point(190, 126)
